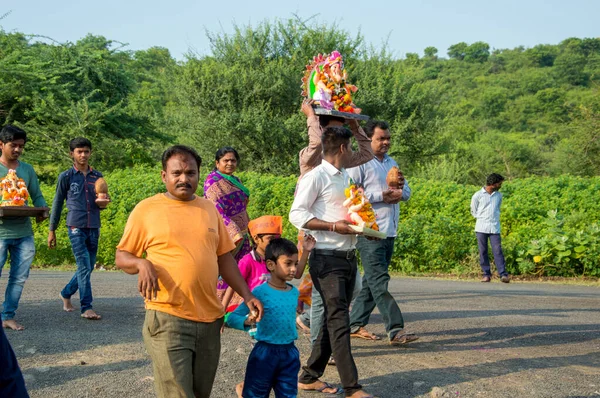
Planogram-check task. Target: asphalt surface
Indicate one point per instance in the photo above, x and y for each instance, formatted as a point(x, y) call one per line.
point(477, 340)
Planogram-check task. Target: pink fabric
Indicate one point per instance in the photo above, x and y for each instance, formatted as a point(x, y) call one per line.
point(254, 270)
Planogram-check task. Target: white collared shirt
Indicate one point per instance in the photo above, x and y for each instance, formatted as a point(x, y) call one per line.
point(320, 194)
point(485, 207)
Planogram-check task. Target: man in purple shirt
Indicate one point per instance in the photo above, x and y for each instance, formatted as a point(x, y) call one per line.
point(77, 186)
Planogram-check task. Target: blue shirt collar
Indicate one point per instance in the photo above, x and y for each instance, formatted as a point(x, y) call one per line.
point(90, 171)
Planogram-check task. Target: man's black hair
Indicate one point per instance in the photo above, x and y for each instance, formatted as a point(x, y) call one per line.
point(11, 133)
point(372, 124)
point(324, 120)
point(280, 247)
point(80, 142)
point(493, 179)
point(180, 150)
point(333, 138)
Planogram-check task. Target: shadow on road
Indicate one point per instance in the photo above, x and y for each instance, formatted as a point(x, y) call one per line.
point(58, 375)
point(487, 339)
point(488, 313)
point(418, 382)
point(49, 330)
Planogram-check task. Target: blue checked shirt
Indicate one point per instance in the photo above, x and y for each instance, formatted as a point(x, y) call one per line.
point(486, 209)
point(80, 193)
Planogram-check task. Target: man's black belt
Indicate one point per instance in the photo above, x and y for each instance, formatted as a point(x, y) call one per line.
point(347, 254)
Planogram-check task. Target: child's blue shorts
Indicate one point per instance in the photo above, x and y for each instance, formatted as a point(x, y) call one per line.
point(272, 367)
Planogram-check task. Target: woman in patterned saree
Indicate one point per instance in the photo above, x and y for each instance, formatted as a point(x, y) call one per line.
point(230, 197)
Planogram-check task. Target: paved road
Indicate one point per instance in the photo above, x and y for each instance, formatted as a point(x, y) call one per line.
point(477, 340)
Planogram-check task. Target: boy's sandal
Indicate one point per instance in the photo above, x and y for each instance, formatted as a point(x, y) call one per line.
point(403, 338)
point(363, 333)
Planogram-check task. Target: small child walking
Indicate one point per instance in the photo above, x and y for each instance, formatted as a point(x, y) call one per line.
point(253, 266)
point(274, 362)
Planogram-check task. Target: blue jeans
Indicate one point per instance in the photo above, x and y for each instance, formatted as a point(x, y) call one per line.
point(484, 260)
point(376, 256)
point(22, 251)
point(314, 316)
point(272, 367)
point(84, 242)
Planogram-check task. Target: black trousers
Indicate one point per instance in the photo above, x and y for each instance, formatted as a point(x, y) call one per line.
point(334, 278)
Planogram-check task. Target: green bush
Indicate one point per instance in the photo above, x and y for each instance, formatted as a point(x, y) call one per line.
point(548, 224)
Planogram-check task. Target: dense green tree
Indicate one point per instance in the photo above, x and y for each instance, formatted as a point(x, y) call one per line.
point(477, 52)
point(458, 51)
point(430, 52)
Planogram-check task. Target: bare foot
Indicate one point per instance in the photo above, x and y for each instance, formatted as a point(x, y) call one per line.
point(361, 394)
point(319, 386)
point(239, 388)
point(12, 324)
point(90, 314)
point(67, 306)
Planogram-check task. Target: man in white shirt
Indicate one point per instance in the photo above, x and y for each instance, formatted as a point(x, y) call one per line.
point(485, 207)
point(318, 208)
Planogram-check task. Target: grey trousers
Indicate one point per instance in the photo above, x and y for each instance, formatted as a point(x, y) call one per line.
point(185, 354)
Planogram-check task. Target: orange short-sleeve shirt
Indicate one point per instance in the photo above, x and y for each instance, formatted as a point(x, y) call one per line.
point(183, 241)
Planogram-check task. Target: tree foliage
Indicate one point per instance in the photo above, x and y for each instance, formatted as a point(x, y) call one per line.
point(518, 111)
point(546, 222)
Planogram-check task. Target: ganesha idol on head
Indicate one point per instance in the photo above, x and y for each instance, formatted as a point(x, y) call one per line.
point(360, 211)
point(13, 189)
point(325, 82)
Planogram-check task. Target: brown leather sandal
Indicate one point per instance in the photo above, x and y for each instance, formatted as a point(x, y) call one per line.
point(363, 333)
point(403, 338)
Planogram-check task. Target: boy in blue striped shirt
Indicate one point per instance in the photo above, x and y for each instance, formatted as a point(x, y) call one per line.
point(274, 362)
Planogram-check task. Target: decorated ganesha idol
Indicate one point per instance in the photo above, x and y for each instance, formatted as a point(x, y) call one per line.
point(14, 190)
point(325, 81)
point(360, 211)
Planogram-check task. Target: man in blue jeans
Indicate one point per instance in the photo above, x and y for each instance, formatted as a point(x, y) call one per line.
point(16, 233)
point(485, 207)
point(376, 255)
point(77, 186)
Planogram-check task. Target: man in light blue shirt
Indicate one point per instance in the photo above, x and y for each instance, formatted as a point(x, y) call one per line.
point(485, 207)
point(376, 255)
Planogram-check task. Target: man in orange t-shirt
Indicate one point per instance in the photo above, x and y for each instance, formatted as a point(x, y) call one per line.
point(186, 247)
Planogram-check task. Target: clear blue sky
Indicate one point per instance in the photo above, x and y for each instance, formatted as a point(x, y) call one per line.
point(409, 26)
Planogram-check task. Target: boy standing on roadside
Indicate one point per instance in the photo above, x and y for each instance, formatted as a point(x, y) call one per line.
point(16, 233)
point(77, 186)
